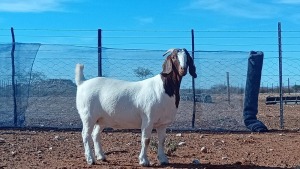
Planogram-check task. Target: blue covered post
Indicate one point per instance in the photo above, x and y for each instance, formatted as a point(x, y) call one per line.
point(255, 62)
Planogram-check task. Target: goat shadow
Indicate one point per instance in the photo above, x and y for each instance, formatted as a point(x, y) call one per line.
point(221, 166)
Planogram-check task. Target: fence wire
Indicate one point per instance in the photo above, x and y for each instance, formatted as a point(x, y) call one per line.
point(45, 74)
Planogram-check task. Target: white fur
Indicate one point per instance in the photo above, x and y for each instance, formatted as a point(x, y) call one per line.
point(182, 58)
point(104, 102)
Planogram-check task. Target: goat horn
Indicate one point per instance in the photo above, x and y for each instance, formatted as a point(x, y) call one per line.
point(169, 51)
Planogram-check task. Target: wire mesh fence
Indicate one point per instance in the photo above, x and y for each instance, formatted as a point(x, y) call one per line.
point(45, 74)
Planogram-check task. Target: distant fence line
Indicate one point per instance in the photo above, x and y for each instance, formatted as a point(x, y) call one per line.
point(45, 71)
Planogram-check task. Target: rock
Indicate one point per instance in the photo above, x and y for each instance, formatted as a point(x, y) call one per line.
point(50, 148)
point(56, 137)
point(181, 143)
point(201, 136)
point(13, 153)
point(196, 161)
point(218, 142)
point(238, 163)
point(2, 140)
point(178, 135)
point(224, 158)
point(203, 149)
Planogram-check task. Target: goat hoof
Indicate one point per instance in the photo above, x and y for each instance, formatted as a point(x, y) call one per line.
point(91, 162)
point(163, 160)
point(102, 159)
point(164, 163)
point(145, 163)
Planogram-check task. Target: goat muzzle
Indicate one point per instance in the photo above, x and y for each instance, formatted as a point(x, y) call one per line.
point(182, 71)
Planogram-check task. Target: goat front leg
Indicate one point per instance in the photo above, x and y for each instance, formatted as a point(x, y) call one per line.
point(97, 145)
point(161, 133)
point(145, 141)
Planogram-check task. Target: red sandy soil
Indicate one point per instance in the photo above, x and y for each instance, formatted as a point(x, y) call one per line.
point(64, 149)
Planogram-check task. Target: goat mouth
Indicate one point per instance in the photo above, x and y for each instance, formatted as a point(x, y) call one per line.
point(182, 72)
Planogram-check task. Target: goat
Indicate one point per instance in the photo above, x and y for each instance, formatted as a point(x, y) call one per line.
point(147, 104)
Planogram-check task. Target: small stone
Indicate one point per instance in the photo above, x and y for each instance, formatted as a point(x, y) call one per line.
point(181, 143)
point(179, 135)
point(218, 142)
point(13, 153)
point(39, 152)
point(201, 136)
point(196, 161)
point(224, 158)
point(56, 137)
point(2, 140)
point(50, 148)
point(203, 149)
point(238, 163)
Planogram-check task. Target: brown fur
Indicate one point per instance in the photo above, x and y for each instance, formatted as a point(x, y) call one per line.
point(171, 77)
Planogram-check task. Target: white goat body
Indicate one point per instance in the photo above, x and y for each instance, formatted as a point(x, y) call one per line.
point(124, 105)
point(147, 104)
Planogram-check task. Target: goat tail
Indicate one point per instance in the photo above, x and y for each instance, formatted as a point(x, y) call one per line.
point(79, 77)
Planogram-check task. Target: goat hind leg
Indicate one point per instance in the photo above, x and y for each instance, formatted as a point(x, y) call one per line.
point(86, 138)
point(97, 145)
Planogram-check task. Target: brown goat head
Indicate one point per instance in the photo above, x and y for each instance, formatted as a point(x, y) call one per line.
point(179, 60)
point(174, 68)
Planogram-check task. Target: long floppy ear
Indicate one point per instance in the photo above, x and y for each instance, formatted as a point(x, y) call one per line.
point(190, 63)
point(167, 67)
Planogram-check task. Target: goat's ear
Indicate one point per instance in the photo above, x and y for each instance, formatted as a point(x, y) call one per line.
point(167, 67)
point(190, 63)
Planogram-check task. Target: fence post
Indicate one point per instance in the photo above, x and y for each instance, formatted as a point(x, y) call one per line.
point(280, 75)
point(13, 72)
point(99, 52)
point(193, 81)
point(228, 87)
point(289, 90)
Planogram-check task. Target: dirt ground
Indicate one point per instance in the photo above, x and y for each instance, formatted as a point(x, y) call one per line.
point(45, 148)
point(270, 115)
point(64, 150)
